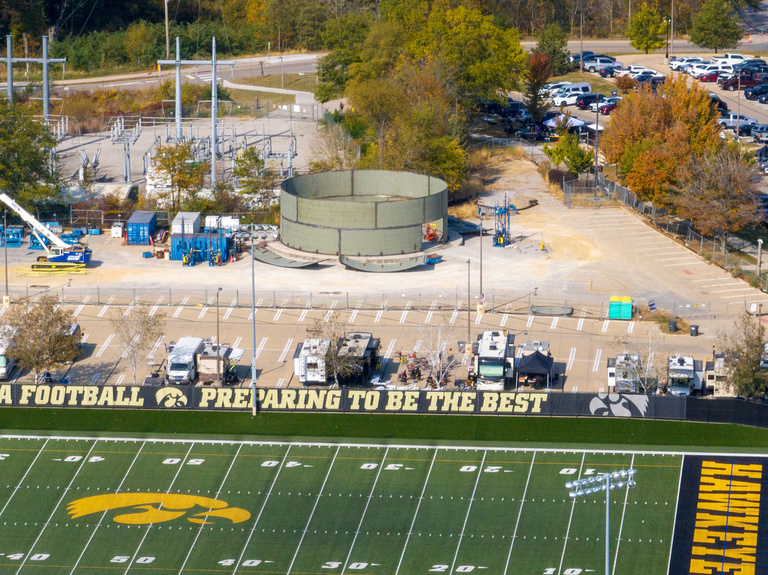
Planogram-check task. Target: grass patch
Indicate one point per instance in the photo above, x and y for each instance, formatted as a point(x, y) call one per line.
point(662, 317)
point(301, 82)
point(247, 97)
point(559, 430)
point(464, 211)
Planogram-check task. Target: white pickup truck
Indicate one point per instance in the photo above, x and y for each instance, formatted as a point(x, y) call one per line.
point(729, 58)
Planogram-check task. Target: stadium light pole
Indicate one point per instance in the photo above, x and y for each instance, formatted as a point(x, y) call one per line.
point(218, 340)
point(253, 329)
point(602, 482)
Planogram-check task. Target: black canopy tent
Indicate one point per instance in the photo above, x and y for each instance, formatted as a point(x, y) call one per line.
point(762, 154)
point(534, 364)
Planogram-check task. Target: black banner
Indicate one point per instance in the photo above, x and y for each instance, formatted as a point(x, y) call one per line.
point(722, 517)
point(344, 400)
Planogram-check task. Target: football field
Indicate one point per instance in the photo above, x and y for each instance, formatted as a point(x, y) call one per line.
point(153, 506)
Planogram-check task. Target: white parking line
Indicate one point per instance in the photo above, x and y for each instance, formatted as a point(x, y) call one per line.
point(717, 279)
point(95, 378)
point(303, 315)
point(530, 321)
point(726, 284)
point(553, 325)
point(454, 315)
point(688, 257)
point(327, 315)
point(278, 313)
point(596, 364)
point(580, 324)
point(202, 312)
point(741, 295)
point(77, 311)
point(104, 346)
point(258, 305)
point(377, 319)
point(154, 347)
point(85, 338)
point(732, 289)
point(120, 379)
point(127, 311)
point(519, 352)
point(153, 311)
point(262, 343)
point(479, 318)
point(503, 321)
point(630, 327)
point(280, 382)
point(388, 353)
point(690, 263)
point(228, 313)
point(431, 312)
point(103, 311)
point(606, 323)
point(405, 312)
point(353, 315)
point(237, 342)
point(571, 359)
point(286, 349)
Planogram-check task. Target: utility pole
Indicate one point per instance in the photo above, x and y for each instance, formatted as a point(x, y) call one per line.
point(167, 35)
point(581, 36)
point(468, 345)
point(45, 61)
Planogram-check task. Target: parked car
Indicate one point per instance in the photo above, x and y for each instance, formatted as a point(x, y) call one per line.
point(678, 65)
point(590, 57)
point(759, 133)
point(600, 63)
point(739, 81)
point(709, 76)
point(583, 102)
point(717, 102)
point(513, 108)
point(649, 78)
point(697, 71)
point(754, 93)
point(730, 58)
point(746, 129)
point(568, 95)
point(607, 108)
point(608, 100)
point(730, 120)
point(577, 56)
point(609, 71)
point(547, 89)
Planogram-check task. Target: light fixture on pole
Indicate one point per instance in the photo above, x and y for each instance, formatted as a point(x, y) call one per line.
point(597, 136)
point(253, 329)
point(666, 53)
point(218, 340)
point(603, 482)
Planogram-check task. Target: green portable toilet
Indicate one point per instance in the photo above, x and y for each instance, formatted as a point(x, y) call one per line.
point(620, 307)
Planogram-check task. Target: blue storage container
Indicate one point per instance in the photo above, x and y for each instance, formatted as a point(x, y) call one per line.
point(140, 228)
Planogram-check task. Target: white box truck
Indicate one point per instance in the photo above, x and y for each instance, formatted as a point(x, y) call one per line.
point(6, 363)
point(182, 360)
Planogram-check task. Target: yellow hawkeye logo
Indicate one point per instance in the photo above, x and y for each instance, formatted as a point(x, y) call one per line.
point(171, 397)
point(149, 508)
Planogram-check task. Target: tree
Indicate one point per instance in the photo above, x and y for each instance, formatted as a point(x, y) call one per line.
point(184, 173)
point(436, 347)
point(742, 349)
point(25, 168)
point(568, 152)
point(249, 169)
point(720, 192)
point(553, 44)
point(137, 329)
point(652, 351)
point(40, 338)
point(716, 26)
point(539, 72)
point(647, 29)
point(339, 365)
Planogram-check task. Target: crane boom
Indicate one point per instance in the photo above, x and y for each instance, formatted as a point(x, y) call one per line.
point(32, 221)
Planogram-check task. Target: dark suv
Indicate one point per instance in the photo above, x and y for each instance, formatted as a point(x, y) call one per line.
point(753, 93)
point(583, 102)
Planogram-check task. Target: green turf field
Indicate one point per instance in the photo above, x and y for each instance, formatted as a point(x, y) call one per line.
point(84, 505)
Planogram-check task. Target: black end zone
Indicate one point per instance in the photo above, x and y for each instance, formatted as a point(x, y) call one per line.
point(722, 517)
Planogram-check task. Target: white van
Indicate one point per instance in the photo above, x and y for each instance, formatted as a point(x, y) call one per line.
point(568, 95)
point(6, 363)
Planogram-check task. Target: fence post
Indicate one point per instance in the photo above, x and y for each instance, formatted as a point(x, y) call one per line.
point(701, 248)
point(170, 297)
point(98, 295)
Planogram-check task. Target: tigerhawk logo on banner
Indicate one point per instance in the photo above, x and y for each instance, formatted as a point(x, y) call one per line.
point(146, 508)
point(619, 405)
point(171, 397)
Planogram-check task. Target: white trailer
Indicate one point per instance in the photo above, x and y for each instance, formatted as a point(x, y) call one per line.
point(625, 373)
point(684, 375)
point(309, 361)
point(494, 358)
point(182, 360)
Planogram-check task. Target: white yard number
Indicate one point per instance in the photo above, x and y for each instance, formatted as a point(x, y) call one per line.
point(276, 463)
point(459, 569)
point(246, 563)
point(332, 565)
point(388, 467)
point(573, 470)
point(35, 557)
point(553, 571)
point(358, 565)
point(489, 469)
point(3, 456)
point(126, 558)
point(175, 460)
point(76, 458)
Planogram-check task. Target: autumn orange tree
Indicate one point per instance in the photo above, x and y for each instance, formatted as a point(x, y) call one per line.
point(652, 133)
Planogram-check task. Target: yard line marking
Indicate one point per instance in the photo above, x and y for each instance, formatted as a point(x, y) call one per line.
point(621, 525)
point(580, 324)
point(237, 342)
point(103, 311)
point(454, 315)
point(303, 315)
point(478, 318)
point(259, 349)
point(317, 500)
point(15, 489)
point(104, 346)
point(567, 531)
point(571, 358)
point(104, 514)
point(405, 312)
point(416, 514)
point(606, 323)
point(77, 311)
point(285, 350)
point(630, 327)
point(153, 311)
point(378, 316)
point(530, 321)
point(278, 313)
point(327, 315)
point(520, 512)
point(120, 379)
point(154, 347)
point(596, 365)
point(202, 525)
point(263, 505)
point(503, 321)
point(677, 504)
point(554, 322)
point(63, 495)
point(149, 528)
point(228, 312)
point(202, 312)
point(367, 503)
point(469, 509)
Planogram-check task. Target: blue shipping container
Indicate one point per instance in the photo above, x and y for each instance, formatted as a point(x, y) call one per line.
point(199, 247)
point(140, 227)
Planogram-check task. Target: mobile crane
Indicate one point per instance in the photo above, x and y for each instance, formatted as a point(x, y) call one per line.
point(59, 255)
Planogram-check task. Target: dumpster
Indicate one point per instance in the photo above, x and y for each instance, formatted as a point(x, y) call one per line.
point(672, 326)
